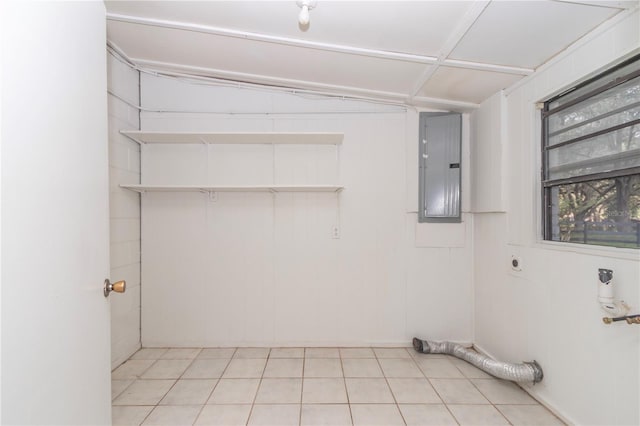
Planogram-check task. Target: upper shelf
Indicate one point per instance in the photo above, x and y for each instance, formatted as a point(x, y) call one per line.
point(143, 137)
point(233, 188)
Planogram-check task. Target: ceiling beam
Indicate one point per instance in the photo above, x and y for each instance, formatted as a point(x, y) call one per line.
point(244, 79)
point(240, 78)
point(465, 24)
point(444, 104)
point(352, 50)
point(225, 32)
point(454, 63)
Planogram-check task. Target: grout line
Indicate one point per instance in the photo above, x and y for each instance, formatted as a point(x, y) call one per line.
point(122, 391)
point(255, 397)
point(300, 404)
point(344, 382)
point(214, 386)
point(487, 398)
point(302, 387)
point(386, 379)
point(446, 406)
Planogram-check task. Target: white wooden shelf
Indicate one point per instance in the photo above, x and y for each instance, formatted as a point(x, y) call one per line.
point(145, 137)
point(233, 188)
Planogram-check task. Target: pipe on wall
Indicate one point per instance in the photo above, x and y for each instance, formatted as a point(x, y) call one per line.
point(524, 372)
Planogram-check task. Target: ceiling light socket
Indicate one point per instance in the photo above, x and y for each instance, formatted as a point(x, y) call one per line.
point(305, 6)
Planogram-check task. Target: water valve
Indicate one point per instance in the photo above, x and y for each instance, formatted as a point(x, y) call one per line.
point(616, 308)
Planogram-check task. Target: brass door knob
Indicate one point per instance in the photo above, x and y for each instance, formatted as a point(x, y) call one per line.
point(118, 287)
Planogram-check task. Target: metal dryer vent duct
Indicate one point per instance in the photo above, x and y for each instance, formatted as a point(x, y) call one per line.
point(525, 372)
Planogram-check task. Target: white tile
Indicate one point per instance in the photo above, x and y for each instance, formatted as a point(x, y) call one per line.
point(189, 392)
point(400, 368)
point(376, 414)
point(325, 414)
point(148, 353)
point(131, 369)
point(245, 368)
point(368, 391)
point(279, 391)
point(272, 415)
point(439, 369)
point(470, 371)
point(413, 391)
point(477, 415)
point(209, 353)
point(427, 415)
point(322, 353)
point(356, 353)
point(529, 415)
point(322, 367)
point(287, 353)
point(206, 369)
point(323, 391)
point(134, 158)
point(167, 369)
point(251, 353)
point(118, 155)
point(283, 367)
point(181, 353)
point(503, 392)
point(173, 415)
point(391, 353)
point(458, 391)
point(234, 391)
point(124, 229)
point(144, 392)
point(118, 386)
point(355, 367)
point(129, 415)
point(227, 415)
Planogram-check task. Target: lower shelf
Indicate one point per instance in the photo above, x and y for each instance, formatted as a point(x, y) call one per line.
point(233, 188)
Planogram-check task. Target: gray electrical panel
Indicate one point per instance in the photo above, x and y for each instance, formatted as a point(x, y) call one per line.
point(440, 142)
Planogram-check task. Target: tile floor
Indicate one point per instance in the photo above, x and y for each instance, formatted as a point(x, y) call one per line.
point(313, 386)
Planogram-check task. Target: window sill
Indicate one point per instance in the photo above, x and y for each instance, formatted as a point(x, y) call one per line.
point(590, 250)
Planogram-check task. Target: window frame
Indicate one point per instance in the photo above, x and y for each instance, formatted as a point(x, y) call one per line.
point(546, 184)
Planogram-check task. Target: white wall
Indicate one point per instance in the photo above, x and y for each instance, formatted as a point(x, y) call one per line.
point(124, 213)
point(488, 156)
point(548, 311)
point(257, 269)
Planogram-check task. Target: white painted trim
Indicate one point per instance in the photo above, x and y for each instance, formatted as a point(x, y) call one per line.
point(595, 3)
point(117, 52)
point(115, 363)
point(454, 63)
point(225, 32)
point(234, 138)
point(308, 344)
point(192, 71)
point(543, 401)
point(428, 102)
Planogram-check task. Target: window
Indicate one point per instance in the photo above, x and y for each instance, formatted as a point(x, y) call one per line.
point(440, 140)
point(591, 160)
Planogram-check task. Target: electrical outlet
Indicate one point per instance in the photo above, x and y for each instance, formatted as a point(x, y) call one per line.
point(335, 233)
point(516, 263)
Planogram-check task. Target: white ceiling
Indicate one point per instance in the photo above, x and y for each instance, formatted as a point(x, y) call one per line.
point(433, 53)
